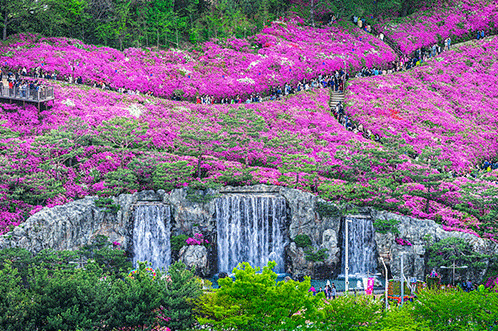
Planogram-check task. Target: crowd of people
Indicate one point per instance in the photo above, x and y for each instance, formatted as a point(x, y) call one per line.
point(344, 120)
point(336, 81)
point(19, 86)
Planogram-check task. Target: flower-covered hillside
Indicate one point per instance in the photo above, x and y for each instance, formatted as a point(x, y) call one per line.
point(283, 52)
point(98, 142)
point(459, 20)
point(449, 104)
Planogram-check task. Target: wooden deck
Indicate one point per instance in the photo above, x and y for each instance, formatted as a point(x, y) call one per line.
point(38, 97)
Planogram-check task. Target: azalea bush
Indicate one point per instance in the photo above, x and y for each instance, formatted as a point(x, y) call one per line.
point(435, 114)
point(198, 239)
point(223, 68)
point(459, 19)
point(432, 122)
point(402, 242)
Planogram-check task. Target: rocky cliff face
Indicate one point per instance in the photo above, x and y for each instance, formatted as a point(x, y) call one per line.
point(416, 232)
point(76, 223)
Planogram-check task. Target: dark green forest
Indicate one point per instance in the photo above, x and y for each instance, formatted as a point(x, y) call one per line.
point(174, 23)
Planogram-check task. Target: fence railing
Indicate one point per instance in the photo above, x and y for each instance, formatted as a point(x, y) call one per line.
point(39, 94)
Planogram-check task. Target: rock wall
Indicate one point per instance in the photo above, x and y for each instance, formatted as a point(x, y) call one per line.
point(75, 224)
point(415, 231)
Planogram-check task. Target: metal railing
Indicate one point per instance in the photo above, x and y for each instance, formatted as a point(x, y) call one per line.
point(39, 94)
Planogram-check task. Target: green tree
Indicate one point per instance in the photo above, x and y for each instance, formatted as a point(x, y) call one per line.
point(145, 300)
point(64, 301)
point(179, 295)
point(349, 313)
point(196, 140)
point(124, 133)
point(297, 164)
point(167, 176)
point(113, 261)
point(401, 319)
point(14, 303)
point(14, 10)
point(243, 129)
point(456, 251)
point(58, 149)
point(455, 310)
point(120, 181)
point(254, 301)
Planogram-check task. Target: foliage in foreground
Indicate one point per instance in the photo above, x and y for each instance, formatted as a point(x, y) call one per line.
point(255, 301)
point(50, 294)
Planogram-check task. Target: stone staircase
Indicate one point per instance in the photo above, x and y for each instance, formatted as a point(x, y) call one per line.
point(335, 97)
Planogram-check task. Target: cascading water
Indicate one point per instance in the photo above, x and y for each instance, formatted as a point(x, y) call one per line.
point(250, 228)
point(151, 235)
point(361, 248)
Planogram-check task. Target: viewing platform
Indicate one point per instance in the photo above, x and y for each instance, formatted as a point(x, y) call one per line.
point(26, 95)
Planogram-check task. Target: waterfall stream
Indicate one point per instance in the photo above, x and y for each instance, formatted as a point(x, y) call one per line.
point(362, 261)
point(250, 228)
point(151, 235)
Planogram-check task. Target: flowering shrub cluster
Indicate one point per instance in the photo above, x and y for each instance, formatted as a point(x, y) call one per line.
point(403, 242)
point(198, 239)
point(282, 52)
point(492, 284)
point(448, 105)
point(442, 113)
point(434, 25)
point(90, 142)
point(93, 141)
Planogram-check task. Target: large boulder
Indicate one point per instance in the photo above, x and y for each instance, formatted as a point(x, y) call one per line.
point(195, 256)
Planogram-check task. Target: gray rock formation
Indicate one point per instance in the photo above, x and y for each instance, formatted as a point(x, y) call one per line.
point(195, 256)
point(75, 224)
point(417, 232)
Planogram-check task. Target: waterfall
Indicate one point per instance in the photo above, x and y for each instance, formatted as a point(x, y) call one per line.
point(151, 235)
point(362, 261)
point(250, 228)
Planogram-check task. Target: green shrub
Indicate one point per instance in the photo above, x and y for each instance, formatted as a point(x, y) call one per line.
point(456, 310)
point(303, 240)
point(316, 256)
point(177, 242)
point(88, 299)
point(349, 313)
point(386, 226)
point(199, 192)
point(108, 205)
point(255, 301)
point(326, 209)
